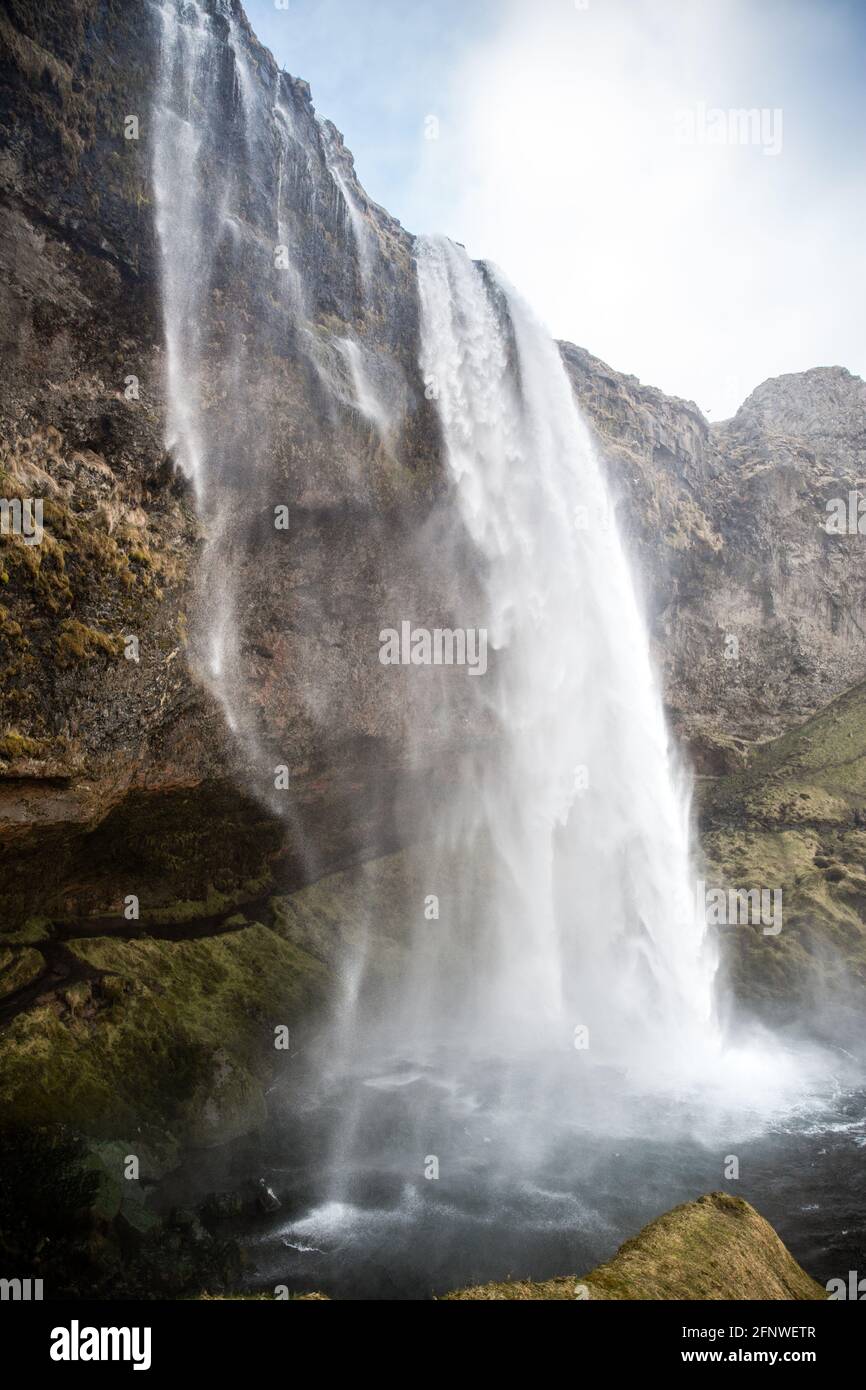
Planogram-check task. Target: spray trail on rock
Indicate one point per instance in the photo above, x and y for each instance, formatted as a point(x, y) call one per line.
point(206, 235)
point(244, 189)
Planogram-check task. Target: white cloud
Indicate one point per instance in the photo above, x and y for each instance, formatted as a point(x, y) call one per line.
point(703, 269)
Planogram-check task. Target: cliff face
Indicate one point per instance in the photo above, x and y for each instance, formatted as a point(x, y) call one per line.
point(120, 763)
point(86, 731)
point(796, 818)
point(728, 524)
point(127, 766)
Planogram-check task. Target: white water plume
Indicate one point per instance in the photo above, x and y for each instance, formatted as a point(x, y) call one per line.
point(365, 398)
point(200, 226)
point(363, 236)
point(585, 916)
point(184, 235)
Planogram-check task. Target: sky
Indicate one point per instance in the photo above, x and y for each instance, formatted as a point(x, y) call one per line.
point(591, 148)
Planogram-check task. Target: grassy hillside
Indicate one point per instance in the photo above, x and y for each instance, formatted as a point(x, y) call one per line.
point(715, 1248)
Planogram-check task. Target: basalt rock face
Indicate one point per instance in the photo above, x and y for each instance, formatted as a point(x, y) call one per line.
point(795, 819)
point(119, 758)
point(755, 606)
point(84, 729)
point(120, 775)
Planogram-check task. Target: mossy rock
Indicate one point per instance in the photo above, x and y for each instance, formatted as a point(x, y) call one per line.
point(795, 819)
point(813, 772)
point(18, 968)
point(178, 1047)
point(31, 931)
point(119, 1195)
point(717, 1247)
point(171, 1038)
point(331, 918)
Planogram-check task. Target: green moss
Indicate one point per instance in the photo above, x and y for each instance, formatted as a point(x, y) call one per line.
point(15, 745)
point(77, 642)
point(331, 918)
point(29, 933)
point(180, 1043)
point(814, 773)
point(99, 571)
point(18, 968)
point(717, 1247)
point(176, 1036)
point(189, 910)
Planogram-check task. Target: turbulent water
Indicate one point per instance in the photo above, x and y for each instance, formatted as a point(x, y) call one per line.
point(549, 1036)
point(601, 1171)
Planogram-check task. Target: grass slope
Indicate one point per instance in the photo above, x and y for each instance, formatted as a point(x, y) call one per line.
point(717, 1247)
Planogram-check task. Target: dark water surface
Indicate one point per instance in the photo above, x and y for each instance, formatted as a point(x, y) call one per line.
point(527, 1189)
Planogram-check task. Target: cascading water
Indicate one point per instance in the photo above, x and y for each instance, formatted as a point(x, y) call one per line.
point(550, 1052)
point(535, 1034)
point(588, 911)
point(230, 170)
point(199, 194)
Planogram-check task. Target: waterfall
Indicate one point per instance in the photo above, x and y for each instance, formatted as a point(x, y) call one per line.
point(203, 236)
point(230, 170)
point(185, 230)
point(563, 986)
point(586, 914)
point(363, 237)
point(562, 856)
point(558, 1007)
point(364, 396)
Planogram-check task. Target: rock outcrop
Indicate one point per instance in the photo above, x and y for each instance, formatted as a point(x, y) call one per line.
point(794, 822)
point(755, 607)
point(120, 763)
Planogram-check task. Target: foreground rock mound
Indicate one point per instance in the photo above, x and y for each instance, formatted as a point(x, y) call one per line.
point(715, 1248)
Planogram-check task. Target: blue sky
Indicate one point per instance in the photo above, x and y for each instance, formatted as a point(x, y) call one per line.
point(700, 263)
point(377, 68)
